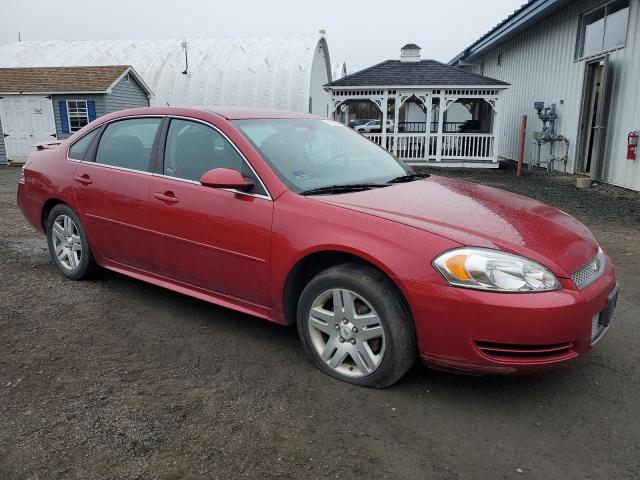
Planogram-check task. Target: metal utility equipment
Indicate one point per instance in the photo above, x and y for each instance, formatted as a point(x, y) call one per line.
point(548, 115)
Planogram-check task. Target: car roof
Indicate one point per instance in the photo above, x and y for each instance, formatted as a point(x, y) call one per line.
point(243, 113)
point(229, 113)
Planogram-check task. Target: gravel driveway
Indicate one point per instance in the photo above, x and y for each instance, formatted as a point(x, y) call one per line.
point(114, 378)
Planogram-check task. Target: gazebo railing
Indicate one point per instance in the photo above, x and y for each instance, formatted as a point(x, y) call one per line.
point(468, 146)
point(414, 147)
point(374, 137)
point(419, 127)
point(377, 138)
point(455, 146)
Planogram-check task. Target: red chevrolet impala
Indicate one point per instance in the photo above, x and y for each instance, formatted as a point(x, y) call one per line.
point(298, 219)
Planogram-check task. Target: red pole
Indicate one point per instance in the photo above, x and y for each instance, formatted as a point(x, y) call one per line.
point(523, 132)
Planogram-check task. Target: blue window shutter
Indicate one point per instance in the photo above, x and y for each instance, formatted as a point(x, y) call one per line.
point(64, 120)
point(91, 109)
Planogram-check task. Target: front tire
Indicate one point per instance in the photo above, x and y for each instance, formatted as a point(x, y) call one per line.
point(354, 325)
point(68, 243)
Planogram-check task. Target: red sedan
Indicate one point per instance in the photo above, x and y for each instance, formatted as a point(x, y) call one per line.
point(298, 219)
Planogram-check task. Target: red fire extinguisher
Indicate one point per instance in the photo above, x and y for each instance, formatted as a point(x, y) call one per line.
point(632, 145)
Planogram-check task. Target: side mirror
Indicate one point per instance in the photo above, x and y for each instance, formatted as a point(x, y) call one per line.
point(225, 178)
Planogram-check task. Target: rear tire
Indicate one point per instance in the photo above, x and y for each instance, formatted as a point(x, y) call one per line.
point(68, 244)
point(354, 325)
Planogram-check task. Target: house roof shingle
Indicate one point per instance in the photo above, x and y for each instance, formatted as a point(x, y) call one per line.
point(96, 79)
point(396, 73)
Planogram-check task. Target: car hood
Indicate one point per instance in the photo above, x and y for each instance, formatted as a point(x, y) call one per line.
point(476, 215)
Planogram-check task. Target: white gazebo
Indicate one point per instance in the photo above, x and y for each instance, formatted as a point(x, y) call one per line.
point(434, 113)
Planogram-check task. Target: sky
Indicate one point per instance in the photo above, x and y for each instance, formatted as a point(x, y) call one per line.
point(361, 33)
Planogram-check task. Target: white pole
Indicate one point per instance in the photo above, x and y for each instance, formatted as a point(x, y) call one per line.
point(396, 120)
point(385, 109)
point(427, 129)
point(496, 129)
point(441, 110)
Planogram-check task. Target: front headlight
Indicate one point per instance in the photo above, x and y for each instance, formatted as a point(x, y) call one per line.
point(493, 270)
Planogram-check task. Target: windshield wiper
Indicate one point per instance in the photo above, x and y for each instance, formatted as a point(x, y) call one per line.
point(355, 187)
point(410, 177)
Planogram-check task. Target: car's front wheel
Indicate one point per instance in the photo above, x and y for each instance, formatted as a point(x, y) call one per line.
point(355, 326)
point(68, 243)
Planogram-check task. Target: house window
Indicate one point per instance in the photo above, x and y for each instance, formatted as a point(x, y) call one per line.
point(604, 28)
point(78, 114)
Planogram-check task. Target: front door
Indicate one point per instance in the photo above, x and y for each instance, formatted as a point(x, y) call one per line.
point(112, 190)
point(593, 125)
point(218, 240)
point(26, 121)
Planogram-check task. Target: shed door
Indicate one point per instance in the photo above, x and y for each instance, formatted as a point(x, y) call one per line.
point(26, 121)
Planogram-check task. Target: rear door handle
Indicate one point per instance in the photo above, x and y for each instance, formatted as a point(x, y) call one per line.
point(84, 179)
point(167, 197)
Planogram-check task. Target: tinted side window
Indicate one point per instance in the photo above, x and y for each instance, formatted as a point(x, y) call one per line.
point(78, 149)
point(128, 143)
point(193, 148)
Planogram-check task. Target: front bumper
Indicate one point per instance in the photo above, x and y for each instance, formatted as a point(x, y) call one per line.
point(486, 332)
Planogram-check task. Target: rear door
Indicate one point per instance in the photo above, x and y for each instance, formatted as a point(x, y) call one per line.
point(214, 239)
point(111, 186)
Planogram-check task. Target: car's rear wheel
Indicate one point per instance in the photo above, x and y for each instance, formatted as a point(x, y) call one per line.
point(68, 244)
point(355, 326)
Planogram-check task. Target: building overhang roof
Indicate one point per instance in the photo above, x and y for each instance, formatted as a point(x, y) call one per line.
point(529, 14)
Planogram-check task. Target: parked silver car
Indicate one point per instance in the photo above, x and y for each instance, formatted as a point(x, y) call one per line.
point(374, 126)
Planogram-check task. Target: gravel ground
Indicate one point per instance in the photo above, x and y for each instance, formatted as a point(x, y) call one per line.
point(114, 378)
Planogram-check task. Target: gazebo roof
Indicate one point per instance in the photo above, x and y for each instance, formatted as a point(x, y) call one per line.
point(424, 73)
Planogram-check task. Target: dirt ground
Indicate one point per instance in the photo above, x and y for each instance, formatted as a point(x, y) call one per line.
point(116, 379)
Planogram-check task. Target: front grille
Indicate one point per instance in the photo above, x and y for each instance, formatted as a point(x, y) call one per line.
point(517, 352)
point(589, 273)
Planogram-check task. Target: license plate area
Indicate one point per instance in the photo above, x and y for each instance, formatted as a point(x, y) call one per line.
point(600, 321)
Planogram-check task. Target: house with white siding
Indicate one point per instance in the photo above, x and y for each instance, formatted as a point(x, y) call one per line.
point(583, 56)
point(44, 104)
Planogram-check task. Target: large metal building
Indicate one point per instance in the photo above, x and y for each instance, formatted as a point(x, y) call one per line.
point(284, 73)
point(584, 57)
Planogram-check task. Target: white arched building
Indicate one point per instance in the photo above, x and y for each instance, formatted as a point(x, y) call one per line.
point(284, 73)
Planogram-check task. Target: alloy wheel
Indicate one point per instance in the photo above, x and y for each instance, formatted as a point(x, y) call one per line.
point(346, 332)
point(67, 243)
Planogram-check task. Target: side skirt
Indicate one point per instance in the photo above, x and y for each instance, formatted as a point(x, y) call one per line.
point(216, 298)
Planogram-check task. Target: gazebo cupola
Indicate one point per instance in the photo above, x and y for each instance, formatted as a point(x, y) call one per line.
point(410, 53)
point(432, 113)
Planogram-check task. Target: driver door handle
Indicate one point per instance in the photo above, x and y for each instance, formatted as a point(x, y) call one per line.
point(167, 197)
point(84, 179)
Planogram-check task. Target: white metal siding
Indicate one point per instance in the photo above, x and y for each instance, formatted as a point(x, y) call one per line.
point(251, 72)
point(540, 65)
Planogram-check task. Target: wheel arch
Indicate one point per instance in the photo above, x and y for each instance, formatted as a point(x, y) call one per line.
point(46, 210)
point(314, 262)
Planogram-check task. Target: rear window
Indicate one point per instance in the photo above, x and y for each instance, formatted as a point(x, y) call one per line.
point(79, 149)
point(128, 143)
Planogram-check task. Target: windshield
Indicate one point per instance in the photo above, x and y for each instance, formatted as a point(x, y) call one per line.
point(313, 153)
